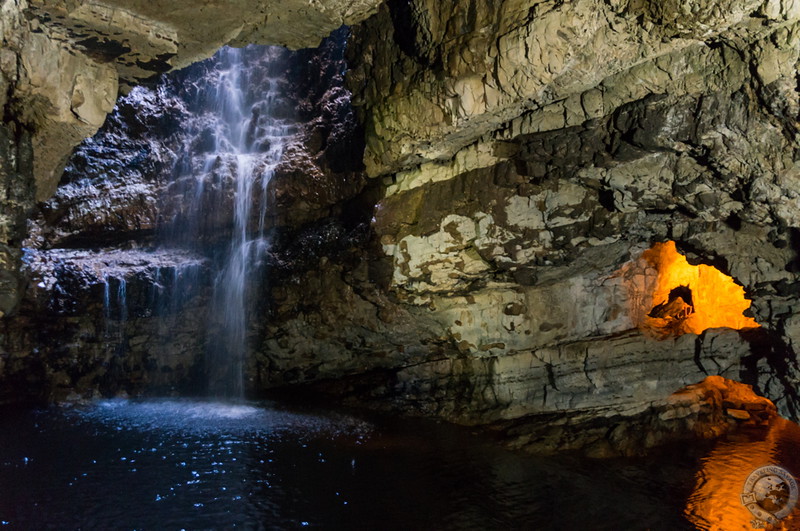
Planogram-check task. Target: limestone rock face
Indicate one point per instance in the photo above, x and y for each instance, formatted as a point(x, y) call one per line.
point(66, 97)
point(451, 74)
point(530, 153)
point(57, 95)
point(713, 407)
point(140, 38)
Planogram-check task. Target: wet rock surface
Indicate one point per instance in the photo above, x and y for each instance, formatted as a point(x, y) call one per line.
point(63, 65)
point(106, 322)
point(120, 263)
point(144, 175)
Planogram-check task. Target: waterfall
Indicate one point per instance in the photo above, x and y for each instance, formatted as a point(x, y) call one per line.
point(115, 312)
point(243, 142)
point(160, 227)
point(201, 155)
point(215, 204)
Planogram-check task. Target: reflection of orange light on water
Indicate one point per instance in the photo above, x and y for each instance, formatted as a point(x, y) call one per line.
point(716, 503)
point(751, 470)
point(716, 299)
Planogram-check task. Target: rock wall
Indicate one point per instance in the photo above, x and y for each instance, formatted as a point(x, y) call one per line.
point(529, 152)
point(702, 411)
point(107, 323)
point(454, 72)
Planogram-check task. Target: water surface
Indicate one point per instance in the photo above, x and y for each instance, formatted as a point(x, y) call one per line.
point(181, 464)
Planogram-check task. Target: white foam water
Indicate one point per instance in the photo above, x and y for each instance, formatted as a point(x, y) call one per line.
point(250, 139)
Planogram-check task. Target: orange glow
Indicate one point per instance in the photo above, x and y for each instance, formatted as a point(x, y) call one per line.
point(764, 439)
point(716, 503)
point(716, 300)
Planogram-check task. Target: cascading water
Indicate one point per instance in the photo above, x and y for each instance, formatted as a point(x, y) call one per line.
point(115, 312)
point(236, 143)
point(169, 199)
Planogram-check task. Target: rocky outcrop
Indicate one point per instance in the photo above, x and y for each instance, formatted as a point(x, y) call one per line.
point(145, 38)
point(707, 410)
point(452, 73)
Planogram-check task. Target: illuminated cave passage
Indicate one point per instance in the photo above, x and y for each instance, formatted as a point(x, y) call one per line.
point(689, 299)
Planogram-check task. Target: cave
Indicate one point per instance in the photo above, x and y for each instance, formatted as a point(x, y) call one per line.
point(399, 264)
point(685, 298)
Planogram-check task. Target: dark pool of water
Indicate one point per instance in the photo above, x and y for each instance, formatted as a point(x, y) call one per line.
point(195, 465)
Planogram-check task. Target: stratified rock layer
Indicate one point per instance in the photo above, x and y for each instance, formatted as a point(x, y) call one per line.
point(530, 153)
point(451, 73)
point(706, 410)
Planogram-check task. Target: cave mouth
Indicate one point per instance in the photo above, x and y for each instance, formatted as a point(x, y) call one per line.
point(689, 299)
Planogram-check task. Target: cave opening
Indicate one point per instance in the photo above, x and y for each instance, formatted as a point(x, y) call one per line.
point(689, 299)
